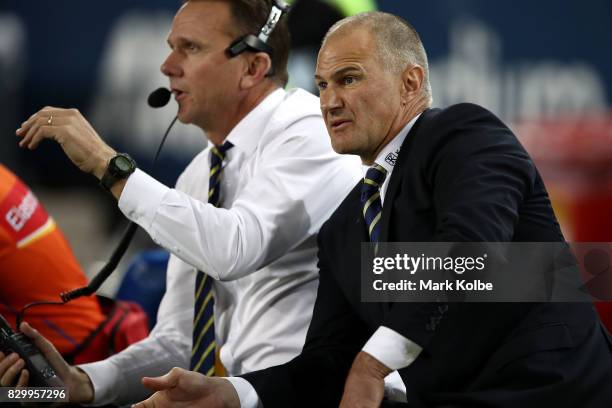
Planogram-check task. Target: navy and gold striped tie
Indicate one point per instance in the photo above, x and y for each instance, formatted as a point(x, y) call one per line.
point(370, 200)
point(203, 350)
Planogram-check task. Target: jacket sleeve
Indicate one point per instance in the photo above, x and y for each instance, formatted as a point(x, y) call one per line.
point(479, 176)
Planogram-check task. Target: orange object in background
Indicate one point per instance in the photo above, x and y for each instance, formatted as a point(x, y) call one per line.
point(574, 157)
point(36, 263)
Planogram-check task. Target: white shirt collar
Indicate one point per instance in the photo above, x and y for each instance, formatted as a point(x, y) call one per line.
point(388, 155)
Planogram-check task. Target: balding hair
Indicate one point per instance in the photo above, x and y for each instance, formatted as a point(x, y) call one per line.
point(398, 43)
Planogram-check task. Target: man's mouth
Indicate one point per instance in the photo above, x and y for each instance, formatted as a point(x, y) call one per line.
point(339, 124)
point(178, 94)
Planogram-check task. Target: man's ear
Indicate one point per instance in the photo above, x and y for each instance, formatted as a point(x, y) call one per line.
point(257, 67)
point(412, 81)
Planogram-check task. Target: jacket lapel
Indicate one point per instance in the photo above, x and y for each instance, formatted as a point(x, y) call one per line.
point(356, 223)
point(354, 233)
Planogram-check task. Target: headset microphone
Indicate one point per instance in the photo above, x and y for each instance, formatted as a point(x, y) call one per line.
point(159, 98)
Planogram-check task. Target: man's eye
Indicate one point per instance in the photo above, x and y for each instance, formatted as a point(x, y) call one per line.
point(191, 47)
point(348, 80)
point(322, 85)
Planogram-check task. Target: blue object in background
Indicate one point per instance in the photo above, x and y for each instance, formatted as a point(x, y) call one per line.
point(145, 281)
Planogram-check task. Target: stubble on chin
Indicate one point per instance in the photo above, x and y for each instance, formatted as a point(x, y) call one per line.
point(342, 143)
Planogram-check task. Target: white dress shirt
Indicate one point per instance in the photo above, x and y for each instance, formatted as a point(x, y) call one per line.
point(386, 345)
point(280, 182)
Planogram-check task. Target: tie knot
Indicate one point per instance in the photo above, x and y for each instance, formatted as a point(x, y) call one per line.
point(219, 151)
point(375, 176)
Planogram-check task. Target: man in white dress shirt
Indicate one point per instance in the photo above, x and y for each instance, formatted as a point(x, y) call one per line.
point(280, 181)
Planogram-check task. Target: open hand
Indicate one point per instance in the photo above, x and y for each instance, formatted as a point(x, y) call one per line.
point(180, 388)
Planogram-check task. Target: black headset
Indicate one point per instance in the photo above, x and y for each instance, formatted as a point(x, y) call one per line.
point(259, 43)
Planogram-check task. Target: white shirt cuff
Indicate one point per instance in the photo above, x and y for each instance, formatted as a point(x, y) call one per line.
point(391, 348)
point(247, 394)
point(103, 375)
point(131, 202)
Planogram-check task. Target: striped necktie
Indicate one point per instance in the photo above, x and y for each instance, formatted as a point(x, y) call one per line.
point(370, 200)
point(203, 350)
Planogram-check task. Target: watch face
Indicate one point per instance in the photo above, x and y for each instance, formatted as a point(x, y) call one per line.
point(123, 164)
point(119, 167)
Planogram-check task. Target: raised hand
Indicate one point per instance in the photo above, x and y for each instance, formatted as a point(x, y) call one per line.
point(72, 131)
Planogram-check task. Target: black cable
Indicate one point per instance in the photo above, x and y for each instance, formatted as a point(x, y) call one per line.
point(115, 258)
point(105, 272)
point(21, 313)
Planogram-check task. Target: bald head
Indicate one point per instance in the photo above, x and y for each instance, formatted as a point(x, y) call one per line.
point(397, 42)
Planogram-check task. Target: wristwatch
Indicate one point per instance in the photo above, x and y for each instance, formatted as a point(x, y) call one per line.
point(119, 168)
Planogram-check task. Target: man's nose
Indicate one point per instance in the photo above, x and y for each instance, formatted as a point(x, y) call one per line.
point(170, 67)
point(330, 100)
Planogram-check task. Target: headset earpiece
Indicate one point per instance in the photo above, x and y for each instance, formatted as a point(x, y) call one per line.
point(259, 43)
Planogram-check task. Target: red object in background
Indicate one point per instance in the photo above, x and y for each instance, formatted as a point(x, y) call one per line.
point(605, 313)
point(37, 263)
point(574, 157)
point(126, 323)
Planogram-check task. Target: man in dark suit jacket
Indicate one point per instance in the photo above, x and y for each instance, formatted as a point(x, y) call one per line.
point(452, 175)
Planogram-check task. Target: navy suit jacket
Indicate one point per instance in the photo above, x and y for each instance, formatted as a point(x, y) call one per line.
point(461, 176)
